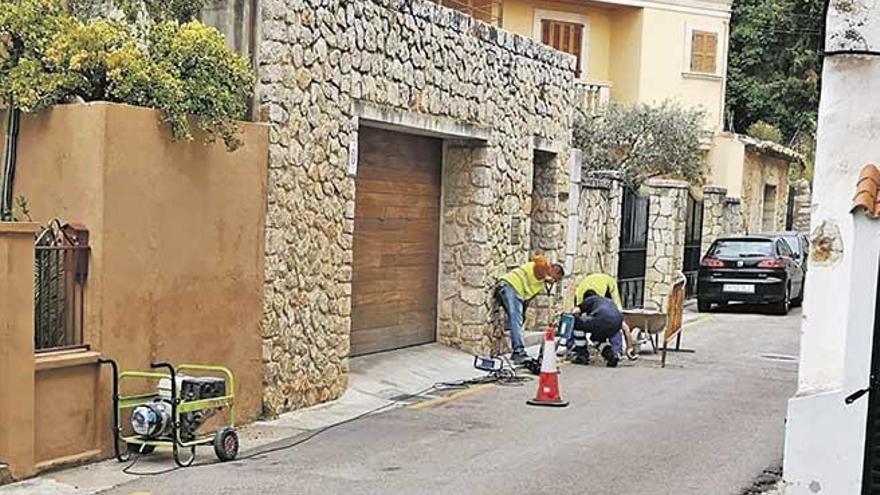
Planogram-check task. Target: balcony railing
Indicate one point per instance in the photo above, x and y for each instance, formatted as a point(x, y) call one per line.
point(593, 96)
point(488, 11)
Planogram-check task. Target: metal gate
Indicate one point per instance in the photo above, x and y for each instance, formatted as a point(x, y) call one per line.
point(61, 266)
point(633, 248)
point(693, 244)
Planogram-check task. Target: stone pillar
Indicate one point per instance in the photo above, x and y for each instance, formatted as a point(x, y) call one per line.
point(549, 214)
point(801, 208)
point(713, 215)
point(733, 217)
point(17, 347)
point(666, 232)
point(465, 295)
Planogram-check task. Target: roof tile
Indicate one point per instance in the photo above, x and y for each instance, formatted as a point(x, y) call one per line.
point(867, 189)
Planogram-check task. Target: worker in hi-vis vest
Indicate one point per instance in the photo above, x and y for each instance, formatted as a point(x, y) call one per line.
point(516, 288)
point(603, 285)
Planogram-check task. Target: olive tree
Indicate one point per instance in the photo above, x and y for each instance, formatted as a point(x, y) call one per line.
point(644, 141)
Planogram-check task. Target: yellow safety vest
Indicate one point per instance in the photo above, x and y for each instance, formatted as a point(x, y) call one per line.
point(524, 282)
point(601, 284)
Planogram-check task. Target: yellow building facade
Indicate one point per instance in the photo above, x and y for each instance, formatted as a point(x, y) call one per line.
point(643, 51)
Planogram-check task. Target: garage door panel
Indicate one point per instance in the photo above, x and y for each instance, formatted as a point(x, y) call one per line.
point(413, 188)
point(395, 214)
point(397, 295)
point(396, 241)
point(397, 259)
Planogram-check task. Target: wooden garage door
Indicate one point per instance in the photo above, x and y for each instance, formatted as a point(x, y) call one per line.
point(396, 241)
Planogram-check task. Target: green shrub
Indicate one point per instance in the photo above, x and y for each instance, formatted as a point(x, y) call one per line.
point(186, 69)
point(765, 132)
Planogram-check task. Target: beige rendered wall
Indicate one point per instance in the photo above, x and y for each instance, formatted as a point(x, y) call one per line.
point(665, 63)
point(761, 170)
point(726, 161)
point(17, 347)
point(519, 17)
point(626, 55)
point(177, 235)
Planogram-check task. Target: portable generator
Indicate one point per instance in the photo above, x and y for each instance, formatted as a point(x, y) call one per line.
point(174, 413)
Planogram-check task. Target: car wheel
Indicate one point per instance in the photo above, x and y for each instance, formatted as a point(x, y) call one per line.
point(781, 308)
point(703, 306)
point(799, 300)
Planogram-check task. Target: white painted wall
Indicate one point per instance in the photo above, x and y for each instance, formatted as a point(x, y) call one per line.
point(825, 438)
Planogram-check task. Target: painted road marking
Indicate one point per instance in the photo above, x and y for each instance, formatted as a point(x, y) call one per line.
point(449, 398)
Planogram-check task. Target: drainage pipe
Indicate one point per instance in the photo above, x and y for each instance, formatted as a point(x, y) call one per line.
point(10, 155)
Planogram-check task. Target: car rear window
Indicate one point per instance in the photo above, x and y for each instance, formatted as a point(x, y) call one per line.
point(743, 248)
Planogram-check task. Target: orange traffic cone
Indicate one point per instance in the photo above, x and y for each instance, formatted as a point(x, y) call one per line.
point(548, 383)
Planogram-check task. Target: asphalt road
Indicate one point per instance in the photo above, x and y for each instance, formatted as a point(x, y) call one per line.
point(706, 425)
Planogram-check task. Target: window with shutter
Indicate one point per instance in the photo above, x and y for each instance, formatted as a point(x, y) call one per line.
point(564, 36)
point(704, 52)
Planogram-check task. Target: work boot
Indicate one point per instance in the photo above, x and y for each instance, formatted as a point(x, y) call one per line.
point(519, 357)
point(611, 358)
point(581, 358)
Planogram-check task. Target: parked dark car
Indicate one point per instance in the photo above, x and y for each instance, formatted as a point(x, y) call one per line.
point(800, 246)
point(758, 269)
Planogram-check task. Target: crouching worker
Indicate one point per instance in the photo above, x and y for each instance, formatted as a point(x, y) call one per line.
point(516, 288)
point(606, 286)
point(600, 318)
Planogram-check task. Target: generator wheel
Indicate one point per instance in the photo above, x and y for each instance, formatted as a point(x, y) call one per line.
point(226, 444)
point(141, 449)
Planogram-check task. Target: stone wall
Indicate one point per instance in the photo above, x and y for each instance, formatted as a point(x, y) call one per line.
point(713, 215)
point(801, 206)
point(321, 64)
point(666, 236)
point(733, 219)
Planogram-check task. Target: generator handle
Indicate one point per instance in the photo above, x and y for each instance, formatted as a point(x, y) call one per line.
point(175, 423)
point(116, 429)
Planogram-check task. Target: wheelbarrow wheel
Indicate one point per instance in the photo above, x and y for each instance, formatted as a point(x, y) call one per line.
point(141, 449)
point(226, 444)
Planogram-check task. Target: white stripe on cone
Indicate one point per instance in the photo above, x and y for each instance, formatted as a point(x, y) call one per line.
point(548, 364)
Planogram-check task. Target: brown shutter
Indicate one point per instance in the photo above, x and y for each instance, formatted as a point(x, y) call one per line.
point(711, 52)
point(704, 52)
point(564, 36)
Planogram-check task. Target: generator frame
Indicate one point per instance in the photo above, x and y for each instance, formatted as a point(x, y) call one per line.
point(179, 406)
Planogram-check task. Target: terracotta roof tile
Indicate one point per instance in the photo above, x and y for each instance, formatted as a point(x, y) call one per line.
point(867, 189)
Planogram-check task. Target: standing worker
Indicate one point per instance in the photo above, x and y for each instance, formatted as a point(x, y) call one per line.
point(605, 285)
point(519, 286)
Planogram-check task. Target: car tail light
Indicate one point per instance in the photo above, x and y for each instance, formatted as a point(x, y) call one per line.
point(774, 263)
point(710, 262)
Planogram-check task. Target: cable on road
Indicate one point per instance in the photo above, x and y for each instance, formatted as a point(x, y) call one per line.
point(507, 376)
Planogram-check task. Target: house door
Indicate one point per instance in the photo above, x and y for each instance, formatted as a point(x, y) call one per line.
point(693, 244)
point(396, 241)
point(633, 248)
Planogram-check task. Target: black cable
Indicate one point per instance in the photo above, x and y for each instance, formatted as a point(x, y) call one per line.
point(311, 435)
point(506, 376)
point(834, 53)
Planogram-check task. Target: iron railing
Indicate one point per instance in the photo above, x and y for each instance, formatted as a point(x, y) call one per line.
point(488, 11)
point(61, 266)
